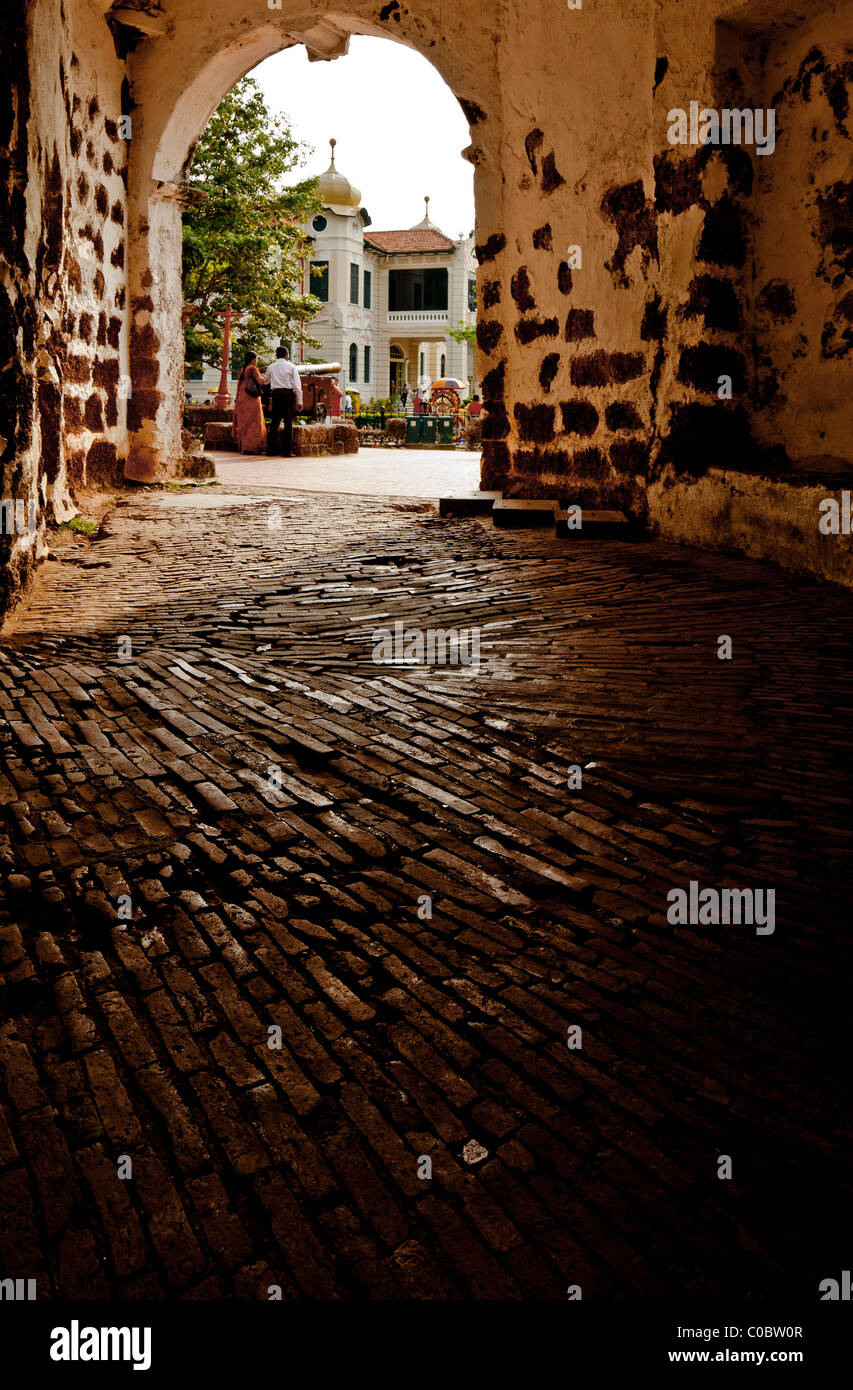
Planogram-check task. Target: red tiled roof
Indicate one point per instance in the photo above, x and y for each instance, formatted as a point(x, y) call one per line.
point(418, 239)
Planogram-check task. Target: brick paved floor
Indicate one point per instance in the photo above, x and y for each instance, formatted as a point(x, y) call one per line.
point(141, 786)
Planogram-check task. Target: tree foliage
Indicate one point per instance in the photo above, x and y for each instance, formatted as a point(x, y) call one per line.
point(465, 333)
point(242, 237)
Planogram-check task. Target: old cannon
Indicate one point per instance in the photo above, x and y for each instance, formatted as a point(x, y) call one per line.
point(321, 394)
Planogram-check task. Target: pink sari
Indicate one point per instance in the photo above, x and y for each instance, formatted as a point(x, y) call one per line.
point(250, 432)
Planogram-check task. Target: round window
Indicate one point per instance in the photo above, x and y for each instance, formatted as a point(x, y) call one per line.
point(319, 224)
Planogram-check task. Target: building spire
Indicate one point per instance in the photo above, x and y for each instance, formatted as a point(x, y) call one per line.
point(426, 225)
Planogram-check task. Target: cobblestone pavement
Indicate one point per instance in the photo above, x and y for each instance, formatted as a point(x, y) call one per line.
point(164, 905)
point(430, 473)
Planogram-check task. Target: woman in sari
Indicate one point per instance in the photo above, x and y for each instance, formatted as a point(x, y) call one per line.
point(250, 431)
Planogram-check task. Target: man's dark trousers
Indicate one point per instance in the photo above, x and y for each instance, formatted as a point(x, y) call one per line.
point(282, 408)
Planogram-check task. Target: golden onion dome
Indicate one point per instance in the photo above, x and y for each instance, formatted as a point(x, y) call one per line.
point(335, 189)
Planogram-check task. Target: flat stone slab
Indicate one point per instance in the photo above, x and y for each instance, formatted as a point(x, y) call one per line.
point(519, 511)
point(595, 525)
point(472, 504)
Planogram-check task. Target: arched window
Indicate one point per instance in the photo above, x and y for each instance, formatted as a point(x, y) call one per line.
point(443, 371)
point(353, 362)
point(397, 369)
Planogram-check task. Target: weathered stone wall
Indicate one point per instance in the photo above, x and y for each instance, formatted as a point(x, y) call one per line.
point(757, 287)
point(620, 276)
point(801, 301)
point(699, 264)
point(18, 313)
point(566, 386)
point(62, 293)
point(770, 238)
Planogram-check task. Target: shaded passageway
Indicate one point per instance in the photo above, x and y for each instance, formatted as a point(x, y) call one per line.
point(646, 338)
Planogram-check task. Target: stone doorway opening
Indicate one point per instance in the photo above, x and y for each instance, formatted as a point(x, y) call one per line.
point(158, 192)
point(398, 369)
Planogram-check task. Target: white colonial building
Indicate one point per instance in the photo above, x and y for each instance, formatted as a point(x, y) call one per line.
point(390, 298)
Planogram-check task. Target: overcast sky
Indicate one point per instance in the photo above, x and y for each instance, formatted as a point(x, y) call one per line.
point(399, 128)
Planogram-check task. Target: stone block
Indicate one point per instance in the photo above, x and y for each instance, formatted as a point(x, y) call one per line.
point(595, 525)
point(195, 466)
point(514, 512)
point(348, 436)
point(218, 435)
point(197, 416)
point(472, 504)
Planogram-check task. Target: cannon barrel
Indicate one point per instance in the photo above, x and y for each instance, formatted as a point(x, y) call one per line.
point(318, 368)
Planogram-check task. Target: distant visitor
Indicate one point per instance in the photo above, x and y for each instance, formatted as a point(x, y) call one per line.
point(286, 398)
point(250, 431)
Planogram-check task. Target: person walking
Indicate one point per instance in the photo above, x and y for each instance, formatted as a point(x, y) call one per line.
point(250, 432)
point(286, 397)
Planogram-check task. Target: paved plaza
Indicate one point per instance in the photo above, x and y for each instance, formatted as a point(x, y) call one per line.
point(430, 473)
point(223, 818)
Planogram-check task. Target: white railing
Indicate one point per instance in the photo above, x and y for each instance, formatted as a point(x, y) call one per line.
point(419, 316)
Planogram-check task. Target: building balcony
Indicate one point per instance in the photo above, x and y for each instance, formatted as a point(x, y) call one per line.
point(418, 318)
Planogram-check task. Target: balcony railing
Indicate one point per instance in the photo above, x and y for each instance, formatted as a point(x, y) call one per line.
point(416, 316)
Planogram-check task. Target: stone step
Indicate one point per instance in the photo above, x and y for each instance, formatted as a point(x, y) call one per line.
point(595, 524)
point(520, 511)
point(470, 504)
point(193, 466)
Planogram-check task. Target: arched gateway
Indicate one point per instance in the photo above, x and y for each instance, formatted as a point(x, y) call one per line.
point(647, 336)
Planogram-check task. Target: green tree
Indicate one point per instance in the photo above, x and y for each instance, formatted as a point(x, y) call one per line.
point(243, 242)
point(465, 333)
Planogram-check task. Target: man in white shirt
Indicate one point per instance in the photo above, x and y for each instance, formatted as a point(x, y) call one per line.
point(286, 394)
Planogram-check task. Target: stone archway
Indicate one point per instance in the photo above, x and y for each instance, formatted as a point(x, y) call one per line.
point(621, 277)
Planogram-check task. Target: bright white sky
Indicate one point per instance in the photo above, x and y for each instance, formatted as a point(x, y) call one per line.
point(399, 128)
